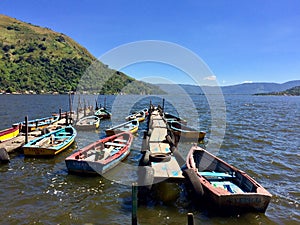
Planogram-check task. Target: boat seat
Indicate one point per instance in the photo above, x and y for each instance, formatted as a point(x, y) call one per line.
point(64, 134)
point(121, 140)
point(211, 175)
point(228, 186)
point(114, 144)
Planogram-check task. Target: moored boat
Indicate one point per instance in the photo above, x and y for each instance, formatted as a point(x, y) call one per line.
point(88, 123)
point(9, 133)
point(38, 123)
point(100, 156)
point(52, 143)
point(103, 113)
point(184, 132)
point(130, 126)
point(140, 116)
point(171, 117)
point(226, 187)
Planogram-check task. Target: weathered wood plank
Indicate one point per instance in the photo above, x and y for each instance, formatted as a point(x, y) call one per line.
point(158, 135)
point(173, 169)
point(160, 170)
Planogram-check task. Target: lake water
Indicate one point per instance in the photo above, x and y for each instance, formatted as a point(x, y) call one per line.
point(262, 137)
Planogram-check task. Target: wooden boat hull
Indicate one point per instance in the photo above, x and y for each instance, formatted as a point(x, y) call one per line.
point(42, 146)
point(38, 123)
point(88, 123)
point(185, 133)
point(9, 133)
point(171, 117)
point(140, 116)
point(102, 113)
point(92, 159)
point(224, 186)
point(130, 126)
point(93, 168)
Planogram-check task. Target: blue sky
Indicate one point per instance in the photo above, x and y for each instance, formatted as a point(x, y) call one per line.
point(240, 41)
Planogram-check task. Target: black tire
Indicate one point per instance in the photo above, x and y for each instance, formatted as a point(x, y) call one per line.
point(4, 157)
point(193, 180)
point(159, 157)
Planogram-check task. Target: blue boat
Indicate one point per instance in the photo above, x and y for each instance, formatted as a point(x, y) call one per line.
point(38, 123)
point(52, 143)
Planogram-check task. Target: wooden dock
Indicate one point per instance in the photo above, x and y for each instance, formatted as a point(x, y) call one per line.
point(169, 170)
point(16, 143)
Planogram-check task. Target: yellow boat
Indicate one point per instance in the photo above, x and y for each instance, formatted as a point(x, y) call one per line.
point(9, 133)
point(130, 126)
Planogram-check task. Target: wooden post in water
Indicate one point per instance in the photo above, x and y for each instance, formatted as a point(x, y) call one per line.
point(67, 119)
point(59, 113)
point(26, 129)
point(190, 217)
point(84, 107)
point(134, 204)
point(70, 105)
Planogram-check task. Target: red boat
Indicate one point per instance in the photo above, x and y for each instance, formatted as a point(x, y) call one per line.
point(100, 156)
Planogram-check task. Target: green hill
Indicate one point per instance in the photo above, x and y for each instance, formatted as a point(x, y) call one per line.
point(40, 60)
point(295, 91)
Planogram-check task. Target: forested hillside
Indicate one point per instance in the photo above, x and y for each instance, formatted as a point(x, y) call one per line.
point(39, 60)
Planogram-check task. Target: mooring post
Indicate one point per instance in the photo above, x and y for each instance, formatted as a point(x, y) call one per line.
point(134, 204)
point(67, 119)
point(26, 129)
point(84, 108)
point(70, 104)
point(59, 113)
point(77, 114)
point(190, 218)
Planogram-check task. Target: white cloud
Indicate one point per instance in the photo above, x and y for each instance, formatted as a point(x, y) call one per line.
point(247, 82)
point(210, 78)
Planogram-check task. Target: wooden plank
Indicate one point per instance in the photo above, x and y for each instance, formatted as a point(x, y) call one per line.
point(15, 143)
point(158, 123)
point(173, 169)
point(160, 170)
point(154, 147)
point(158, 135)
point(164, 148)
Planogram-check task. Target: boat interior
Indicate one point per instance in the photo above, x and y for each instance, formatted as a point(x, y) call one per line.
point(220, 174)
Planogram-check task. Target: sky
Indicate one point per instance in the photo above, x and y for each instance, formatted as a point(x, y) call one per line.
point(238, 41)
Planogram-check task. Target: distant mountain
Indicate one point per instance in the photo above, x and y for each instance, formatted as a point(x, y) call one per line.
point(295, 91)
point(38, 60)
point(239, 89)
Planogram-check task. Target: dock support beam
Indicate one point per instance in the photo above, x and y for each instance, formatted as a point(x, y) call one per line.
point(190, 217)
point(134, 204)
point(26, 129)
point(70, 104)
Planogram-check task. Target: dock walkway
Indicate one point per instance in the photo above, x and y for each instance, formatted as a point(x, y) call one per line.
point(169, 170)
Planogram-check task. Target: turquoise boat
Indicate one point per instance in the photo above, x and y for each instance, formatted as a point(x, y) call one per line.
point(52, 143)
point(38, 123)
point(103, 113)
